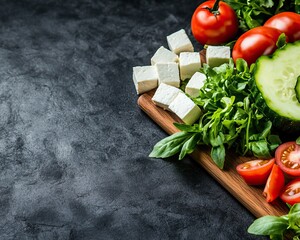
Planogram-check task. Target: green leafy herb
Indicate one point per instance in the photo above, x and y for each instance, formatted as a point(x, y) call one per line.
point(230, 118)
point(255, 12)
point(298, 140)
point(277, 227)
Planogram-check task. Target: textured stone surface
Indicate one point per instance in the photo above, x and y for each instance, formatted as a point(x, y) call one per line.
point(73, 142)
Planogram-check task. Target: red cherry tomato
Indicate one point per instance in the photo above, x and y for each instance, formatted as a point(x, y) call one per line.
point(287, 157)
point(274, 185)
point(214, 27)
point(255, 43)
point(255, 172)
point(291, 192)
point(286, 22)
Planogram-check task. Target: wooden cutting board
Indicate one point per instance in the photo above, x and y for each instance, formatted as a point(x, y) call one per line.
point(251, 197)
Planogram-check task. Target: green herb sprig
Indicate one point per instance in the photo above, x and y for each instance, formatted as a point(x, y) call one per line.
point(277, 227)
point(230, 118)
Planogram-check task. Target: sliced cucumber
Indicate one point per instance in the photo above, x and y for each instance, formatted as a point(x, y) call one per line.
point(297, 88)
point(276, 77)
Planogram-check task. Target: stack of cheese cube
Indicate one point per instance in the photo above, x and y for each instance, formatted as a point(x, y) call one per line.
point(168, 68)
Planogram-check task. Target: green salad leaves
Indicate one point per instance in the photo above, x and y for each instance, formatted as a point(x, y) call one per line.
point(230, 119)
point(277, 227)
point(254, 13)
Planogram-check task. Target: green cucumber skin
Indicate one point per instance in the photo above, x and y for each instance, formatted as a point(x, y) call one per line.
point(281, 123)
point(297, 89)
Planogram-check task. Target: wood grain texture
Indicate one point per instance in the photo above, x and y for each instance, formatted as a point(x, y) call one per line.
point(251, 197)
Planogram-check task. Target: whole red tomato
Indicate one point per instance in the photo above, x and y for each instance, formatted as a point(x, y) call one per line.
point(214, 23)
point(255, 43)
point(286, 22)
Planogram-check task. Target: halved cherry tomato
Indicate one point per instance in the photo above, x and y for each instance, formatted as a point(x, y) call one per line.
point(287, 157)
point(291, 192)
point(286, 22)
point(255, 43)
point(214, 23)
point(274, 185)
point(255, 172)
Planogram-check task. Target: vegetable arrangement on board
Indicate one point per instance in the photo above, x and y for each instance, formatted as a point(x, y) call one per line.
point(248, 102)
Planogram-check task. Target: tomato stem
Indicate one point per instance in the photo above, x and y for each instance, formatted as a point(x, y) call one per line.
point(215, 9)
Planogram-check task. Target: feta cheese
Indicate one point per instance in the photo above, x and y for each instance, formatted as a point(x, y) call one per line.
point(163, 55)
point(164, 95)
point(195, 84)
point(179, 42)
point(189, 63)
point(145, 78)
point(185, 108)
point(217, 55)
point(168, 73)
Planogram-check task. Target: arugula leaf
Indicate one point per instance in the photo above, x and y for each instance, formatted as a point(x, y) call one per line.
point(255, 12)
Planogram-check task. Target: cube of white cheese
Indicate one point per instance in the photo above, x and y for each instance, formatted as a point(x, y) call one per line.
point(217, 55)
point(168, 73)
point(145, 78)
point(164, 95)
point(185, 109)
point(179, 42)
point(195, 84)
point(189, 63)
point(163, 55)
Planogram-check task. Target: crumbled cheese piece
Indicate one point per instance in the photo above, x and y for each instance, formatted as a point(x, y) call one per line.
point(189, 63)
point(164, 95)
point(145, 78)
point(217, 55)
point(195, 84)
point(168, 73)
point(185, 108)
point(163, 55)
point(179, 42)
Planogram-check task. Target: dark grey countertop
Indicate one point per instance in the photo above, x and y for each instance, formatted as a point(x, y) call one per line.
point(74, 144)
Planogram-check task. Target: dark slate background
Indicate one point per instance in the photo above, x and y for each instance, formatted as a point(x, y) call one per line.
point(74, 143)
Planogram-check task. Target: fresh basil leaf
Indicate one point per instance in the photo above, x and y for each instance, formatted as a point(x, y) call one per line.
point(269, 225)
point(189, 146)
point(218, 155)
point(298, 140)
point(170, 146)
point(294, 217)
point(276, 237)
point(187, 128)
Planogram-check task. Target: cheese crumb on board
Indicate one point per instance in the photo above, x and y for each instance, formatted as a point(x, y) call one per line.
point(189, 63)
point(145, 78)
point(179, 42)
point(168, 73)
point(195, 84)
point(163, 55)
point(217, 55)
point(164, 95)
point(185, 108)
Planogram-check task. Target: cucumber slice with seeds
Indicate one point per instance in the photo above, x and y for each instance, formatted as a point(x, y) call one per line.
point(276, 77)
